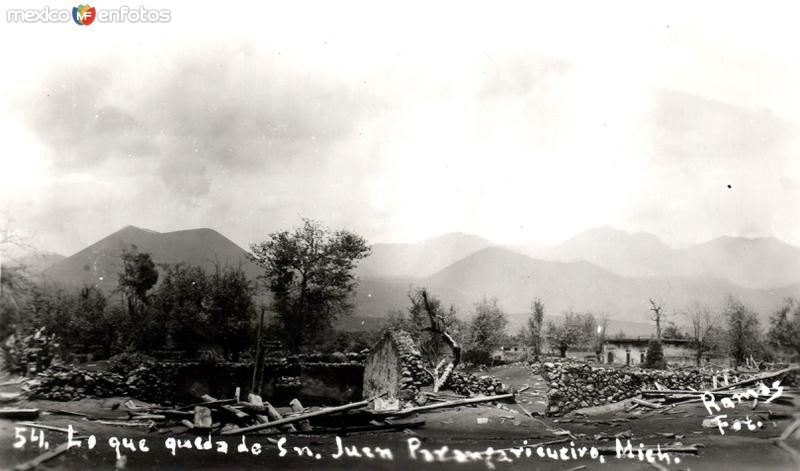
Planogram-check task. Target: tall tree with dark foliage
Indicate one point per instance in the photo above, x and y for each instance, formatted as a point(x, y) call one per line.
point(309, 272)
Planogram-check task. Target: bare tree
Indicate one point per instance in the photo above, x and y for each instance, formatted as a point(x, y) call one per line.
point(657, 315)
point(705, 330)
point(574, 329)
point(439, 364)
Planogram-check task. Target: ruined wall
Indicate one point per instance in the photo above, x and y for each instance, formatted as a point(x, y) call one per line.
point(313, 382)
point(396, 366)
point(578, 385)
point(382, 370)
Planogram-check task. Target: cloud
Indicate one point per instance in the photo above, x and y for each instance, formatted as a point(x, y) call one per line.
point(202, 113)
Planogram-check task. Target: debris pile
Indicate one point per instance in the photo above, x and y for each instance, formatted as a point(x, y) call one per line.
point(578, 385)
point(470, 384)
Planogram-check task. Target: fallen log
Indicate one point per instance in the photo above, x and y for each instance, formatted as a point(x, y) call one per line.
point(644, 403)
point(175, 414)
point(442, 405)
point(215, 402)
point(147, 417)
point(298, 418)
point(67, 412)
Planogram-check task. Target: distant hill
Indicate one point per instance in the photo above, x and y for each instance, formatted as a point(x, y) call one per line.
point(630, 254)
point(34, 262)
point(461, 269)
point(100, 263)
point(750, 262)
point(755, 262)
point(421, 258)
point(516, 279)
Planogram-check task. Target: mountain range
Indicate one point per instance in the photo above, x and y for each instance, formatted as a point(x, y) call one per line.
point(99, 264)
point(602, 270)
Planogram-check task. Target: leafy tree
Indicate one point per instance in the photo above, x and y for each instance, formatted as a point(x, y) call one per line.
point(574, 329)
point(784, 330)
point(743, 334)
point(180, 303)
point(90, 322)
point(137, 277)
point(15, 293)
point(487, 327)
point(532, 331)
point(309, 272)
point(231, 310)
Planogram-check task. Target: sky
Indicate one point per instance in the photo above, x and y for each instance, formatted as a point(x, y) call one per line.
point(522, 122)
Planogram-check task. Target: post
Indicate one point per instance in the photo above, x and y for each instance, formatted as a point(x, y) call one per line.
point(258, 368)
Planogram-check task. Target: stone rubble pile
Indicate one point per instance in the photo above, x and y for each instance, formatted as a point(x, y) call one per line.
point(578, 385)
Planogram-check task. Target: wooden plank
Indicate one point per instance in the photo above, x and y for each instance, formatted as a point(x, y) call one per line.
point(646, 403)
point(298, 418)
point(759, 378)
point(44, 427)
point(215, 402)
point(443, 405)
point(236, 413)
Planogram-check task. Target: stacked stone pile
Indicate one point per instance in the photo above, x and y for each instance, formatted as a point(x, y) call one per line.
point(65, 383)
point(578, 385)
point(413, 375)
point(470, 384)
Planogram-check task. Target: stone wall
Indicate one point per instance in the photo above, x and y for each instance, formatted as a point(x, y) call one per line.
point(395, 366)
point(313, 382)
point(578, 385)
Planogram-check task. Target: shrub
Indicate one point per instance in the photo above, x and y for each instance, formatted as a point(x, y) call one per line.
point(655, 355)
point(477, 357)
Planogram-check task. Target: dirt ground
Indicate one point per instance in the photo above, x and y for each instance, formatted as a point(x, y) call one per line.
point(465, 428)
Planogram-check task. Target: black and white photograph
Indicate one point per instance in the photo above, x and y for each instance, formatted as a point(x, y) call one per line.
point(356, 235)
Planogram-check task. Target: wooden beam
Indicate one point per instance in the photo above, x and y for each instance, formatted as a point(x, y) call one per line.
point(443, 405)
point(298, 418)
